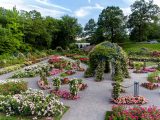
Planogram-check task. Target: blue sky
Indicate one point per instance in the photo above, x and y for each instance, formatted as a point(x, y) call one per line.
point(83, 10)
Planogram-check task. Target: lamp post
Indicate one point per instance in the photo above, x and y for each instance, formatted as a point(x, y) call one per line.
point(136, 89)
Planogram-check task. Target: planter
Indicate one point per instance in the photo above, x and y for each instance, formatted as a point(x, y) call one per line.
point(65, 80)
point(64, 94)
point(149, 69)
point(82, 86)
point(81, 69)
point(150, 86)
point(42, 85)
point(130, 100)
point(140, 71)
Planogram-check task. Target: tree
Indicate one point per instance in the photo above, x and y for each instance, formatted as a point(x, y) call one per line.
point(143, 13)
point(25, 31)
point(154, 31)
point(35, 30)
point(112, 21)
point(90, 29)
point(69, 29)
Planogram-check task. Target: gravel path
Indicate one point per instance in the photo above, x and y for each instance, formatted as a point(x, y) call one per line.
point(94, 101)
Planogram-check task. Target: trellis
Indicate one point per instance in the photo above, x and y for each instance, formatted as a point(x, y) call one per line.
point(112, 53)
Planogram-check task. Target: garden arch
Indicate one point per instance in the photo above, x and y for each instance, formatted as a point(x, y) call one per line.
point(103, 56)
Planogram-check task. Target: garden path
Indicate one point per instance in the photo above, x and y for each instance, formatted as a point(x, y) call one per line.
point(94, 101)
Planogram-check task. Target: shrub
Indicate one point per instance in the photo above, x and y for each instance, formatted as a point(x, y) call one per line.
point(118, 74)
point(57, 83)
point(12, 87)
point(73, 86)
point(116, 90)
point(43, 77)
point(138, 65)
point(154, 77)
point(158, 66)
point(88, 73)
point(100, 71)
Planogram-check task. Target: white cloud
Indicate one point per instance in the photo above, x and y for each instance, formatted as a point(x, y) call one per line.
point(24, 5)
point(45, 2)
point(84, 11)
point(47, 12)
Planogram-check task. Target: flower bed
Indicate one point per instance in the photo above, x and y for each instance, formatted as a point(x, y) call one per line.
point(140, 71)
point(10, 68)
point(145, 70)
point(68, 73)
point(130, 100)
point(31, 103)
point(82, 58)
point(54, 59)
point(150, 86)
point(149, 69)
point(11, 87)
point(55, 71)
point(64, 94)
point(30, 71)
point(155, 54)
point(154, 77)
point(135, 113)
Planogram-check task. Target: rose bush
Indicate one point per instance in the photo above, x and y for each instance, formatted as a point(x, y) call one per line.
point(30, 71)
point(135, 113)
point(11, 87)
point(31, 103)
point(64, 94)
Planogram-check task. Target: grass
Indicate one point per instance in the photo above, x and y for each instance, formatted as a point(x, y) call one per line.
point(148, 64)
point(3, 116)
point(137, 46)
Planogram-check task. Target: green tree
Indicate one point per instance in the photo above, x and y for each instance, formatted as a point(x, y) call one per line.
point(35, 30)
point(112, 21)
point(69, 29)
point(154, 31)
point(143, 13)
point(90, 29)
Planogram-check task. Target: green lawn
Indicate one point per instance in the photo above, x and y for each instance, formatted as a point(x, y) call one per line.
point(137, 46)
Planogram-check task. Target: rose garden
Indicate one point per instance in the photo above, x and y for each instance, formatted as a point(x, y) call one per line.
point(102, 84)
point(54, 65)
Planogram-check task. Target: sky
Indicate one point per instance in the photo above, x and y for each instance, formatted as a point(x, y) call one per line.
point(83, 10)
